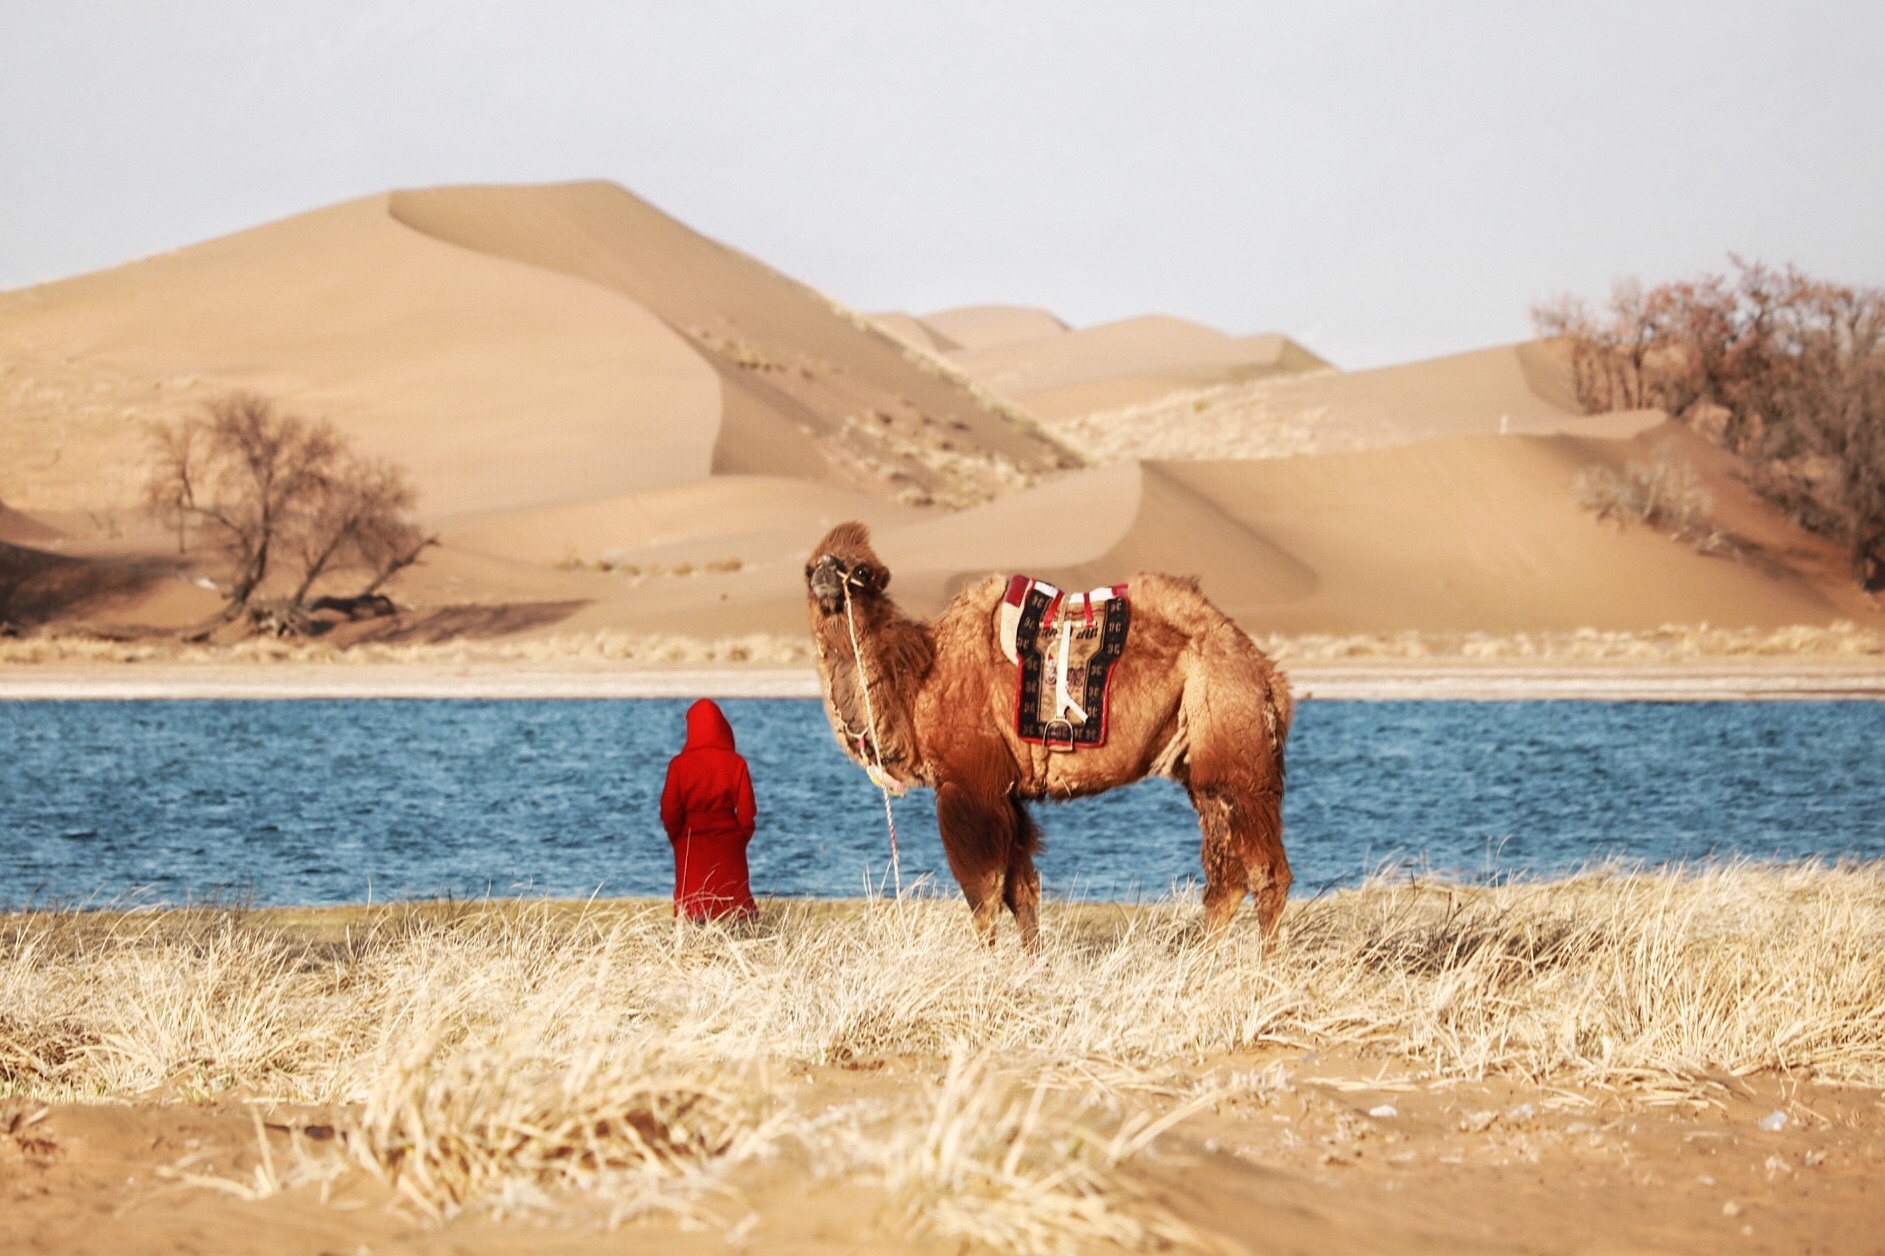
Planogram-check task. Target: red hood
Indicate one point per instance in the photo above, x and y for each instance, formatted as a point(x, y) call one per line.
point(707, 728)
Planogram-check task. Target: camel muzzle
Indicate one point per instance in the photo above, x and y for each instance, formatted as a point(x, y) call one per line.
point(827, 584)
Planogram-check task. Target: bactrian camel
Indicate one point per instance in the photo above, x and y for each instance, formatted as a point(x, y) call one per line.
point(1192, 698)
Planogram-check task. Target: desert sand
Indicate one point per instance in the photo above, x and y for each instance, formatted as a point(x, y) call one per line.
point(617, 425)
point(1306, 1171)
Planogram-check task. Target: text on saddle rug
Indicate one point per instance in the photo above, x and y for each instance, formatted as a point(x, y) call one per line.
point(1064, 646)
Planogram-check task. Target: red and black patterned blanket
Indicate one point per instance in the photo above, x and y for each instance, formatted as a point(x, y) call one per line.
point(1064, 646)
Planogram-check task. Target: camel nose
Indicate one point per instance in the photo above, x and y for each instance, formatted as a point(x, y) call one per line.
point(827, 587)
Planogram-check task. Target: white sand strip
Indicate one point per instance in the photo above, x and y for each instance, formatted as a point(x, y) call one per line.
point(394, 680)
point(1774, 679)
point(1695, 683)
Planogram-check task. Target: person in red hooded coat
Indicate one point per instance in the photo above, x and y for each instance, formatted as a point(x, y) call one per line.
point(707, 809)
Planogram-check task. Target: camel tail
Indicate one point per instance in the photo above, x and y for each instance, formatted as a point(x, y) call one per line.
point(1279, 708)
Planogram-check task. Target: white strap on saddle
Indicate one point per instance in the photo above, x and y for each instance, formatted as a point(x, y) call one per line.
point(1063, 701)
point(1017, 596)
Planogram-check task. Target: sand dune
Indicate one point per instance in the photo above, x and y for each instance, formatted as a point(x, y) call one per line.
point(447, 362)
point(617, 424)
point(512, 347)
point(806, 359)
point(743, 518)
point(23, 529)
point(1515, 388)
point(974, 327)
point(1123, 363)
point(912, 330)
point(1461, 534)
point(1509, 389)
point(1086, 530)
point(1482, 533)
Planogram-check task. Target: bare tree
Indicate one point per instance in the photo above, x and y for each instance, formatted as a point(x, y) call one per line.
point(170, 487)
point(1794, 367)
point(279, 495)
point(358, 521)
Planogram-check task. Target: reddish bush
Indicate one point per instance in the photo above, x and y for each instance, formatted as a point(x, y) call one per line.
point(1784, 370)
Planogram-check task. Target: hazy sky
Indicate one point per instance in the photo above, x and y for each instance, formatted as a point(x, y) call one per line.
point(1383, 181)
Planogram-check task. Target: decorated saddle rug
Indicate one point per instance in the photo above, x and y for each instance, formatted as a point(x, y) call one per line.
point(1065, 645)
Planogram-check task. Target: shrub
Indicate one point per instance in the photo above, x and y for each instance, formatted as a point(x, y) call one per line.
point(1666, 494)
point(1786, 371)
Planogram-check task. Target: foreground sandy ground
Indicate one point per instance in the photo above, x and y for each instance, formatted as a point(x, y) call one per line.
point(1613, 1063)
point(1299, 1166)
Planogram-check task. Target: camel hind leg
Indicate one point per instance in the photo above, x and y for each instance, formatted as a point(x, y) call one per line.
point(978, 837)
point(1236, 713)
point(1226, 878)
point(1242, 854)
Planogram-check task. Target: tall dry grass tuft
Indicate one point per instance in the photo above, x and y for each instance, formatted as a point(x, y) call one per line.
point(510, 1116)
point(1010, 1166)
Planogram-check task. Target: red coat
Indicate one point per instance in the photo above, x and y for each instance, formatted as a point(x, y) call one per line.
point(707, 809)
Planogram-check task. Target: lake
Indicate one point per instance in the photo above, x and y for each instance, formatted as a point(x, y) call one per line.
point(286, 802)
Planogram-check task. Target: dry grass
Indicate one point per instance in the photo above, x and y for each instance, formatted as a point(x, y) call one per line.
point(1014, 1167)
point(1599, 978)
point(1665, 493)
point(451, 1123)
point(505, 1054)
point(1672, 643)
point(603, 645)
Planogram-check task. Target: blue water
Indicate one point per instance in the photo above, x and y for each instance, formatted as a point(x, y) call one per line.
point(313, 802)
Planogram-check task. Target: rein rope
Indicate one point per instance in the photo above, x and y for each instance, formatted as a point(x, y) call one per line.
point(877, 773)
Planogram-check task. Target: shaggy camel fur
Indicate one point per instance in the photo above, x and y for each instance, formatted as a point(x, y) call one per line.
point(1192, 699)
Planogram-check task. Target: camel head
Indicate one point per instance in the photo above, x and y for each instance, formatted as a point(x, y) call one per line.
point(843, 561)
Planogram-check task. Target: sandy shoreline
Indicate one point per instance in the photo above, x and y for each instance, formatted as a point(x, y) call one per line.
point(1712, 680)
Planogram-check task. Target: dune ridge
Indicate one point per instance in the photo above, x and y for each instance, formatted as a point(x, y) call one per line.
point(1127, 362)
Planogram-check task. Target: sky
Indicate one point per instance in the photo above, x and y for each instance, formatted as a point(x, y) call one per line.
point(1382, 181)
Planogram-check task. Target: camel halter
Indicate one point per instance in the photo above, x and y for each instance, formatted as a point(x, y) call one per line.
point(875, 768)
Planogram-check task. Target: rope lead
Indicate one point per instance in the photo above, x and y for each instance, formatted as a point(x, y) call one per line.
point(875, 767)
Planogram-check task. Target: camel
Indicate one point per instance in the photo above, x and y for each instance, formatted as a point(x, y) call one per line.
point(933, 703)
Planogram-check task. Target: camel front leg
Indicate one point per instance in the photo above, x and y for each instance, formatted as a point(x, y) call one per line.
point(984, 897)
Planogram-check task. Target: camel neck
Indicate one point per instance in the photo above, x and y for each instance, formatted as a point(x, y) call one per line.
point(896, 650)
point(895, 653)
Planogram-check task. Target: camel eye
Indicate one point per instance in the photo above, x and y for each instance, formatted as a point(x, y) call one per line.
point(862, 576)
